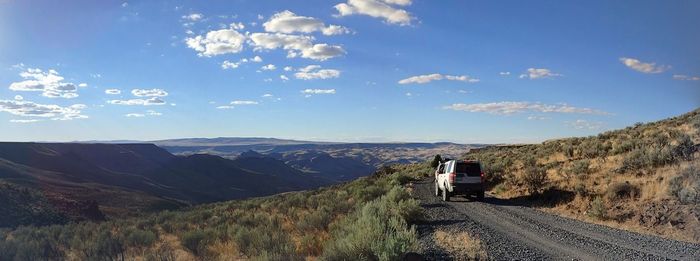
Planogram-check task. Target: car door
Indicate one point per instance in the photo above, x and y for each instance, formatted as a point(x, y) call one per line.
point(440, 175)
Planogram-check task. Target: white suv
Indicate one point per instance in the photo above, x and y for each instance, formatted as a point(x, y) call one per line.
point(454, 177)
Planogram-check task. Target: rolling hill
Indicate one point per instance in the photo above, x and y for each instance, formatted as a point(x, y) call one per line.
point(124, 179)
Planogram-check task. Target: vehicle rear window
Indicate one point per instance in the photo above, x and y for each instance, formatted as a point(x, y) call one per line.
point(471, 169)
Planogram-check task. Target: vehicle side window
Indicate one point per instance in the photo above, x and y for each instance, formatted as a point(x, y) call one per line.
point(448, 167)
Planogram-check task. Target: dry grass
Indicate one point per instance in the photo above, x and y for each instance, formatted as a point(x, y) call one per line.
point(461, 245)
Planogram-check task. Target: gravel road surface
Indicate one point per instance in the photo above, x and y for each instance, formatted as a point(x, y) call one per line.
point(512, 232)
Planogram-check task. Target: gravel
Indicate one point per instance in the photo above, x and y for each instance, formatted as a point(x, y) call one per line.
point(511, 232)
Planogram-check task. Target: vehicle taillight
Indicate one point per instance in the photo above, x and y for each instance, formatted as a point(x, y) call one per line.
point(453, 177)
point(482, 177)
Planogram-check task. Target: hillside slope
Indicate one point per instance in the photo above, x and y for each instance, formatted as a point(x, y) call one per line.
point(644, 178)
point(127, 178)
point(369, 218)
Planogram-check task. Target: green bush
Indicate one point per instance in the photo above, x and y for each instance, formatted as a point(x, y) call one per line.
point(377, 231)
point(135, 237)
point(580, 168)
point(196, 240)
point(534, 179)
point(598, 209)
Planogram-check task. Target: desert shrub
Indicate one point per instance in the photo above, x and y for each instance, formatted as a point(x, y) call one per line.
point(534, 179)
point(623, 146)
point(135, 237)
point(597, 209)
point(622, 190)
point(163, 252)
point(568, 150)
point(377, 231)
point(196, 240)
point(579, 167)
point(686, 185)
point(634, 160)
point(580, 189)
point(685, 148)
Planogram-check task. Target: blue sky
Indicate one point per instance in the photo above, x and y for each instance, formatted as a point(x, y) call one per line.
point(343, 70)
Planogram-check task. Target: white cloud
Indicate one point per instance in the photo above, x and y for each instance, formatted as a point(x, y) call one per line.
point(19, 97)
point(149, 92)
point(243, 102)
point(288, 68)
point(504, 73)
point(83, 85)
point(287, 22)
point(284, 77)
point(194, 17)
point(217, 42)
point(639, 66)
point(31, 109)
point(535, 73)
point(421, 79)
point(113, 91)
point(682, 77)
point(318, 91)
point(256, 59)
point(268, 67)
point(144, 102)
point(24, 121)
point(229, 65)
point(509, 107)
point(237, 26)
point(267, 95)
point(125, 4)
point(295, 45)
point(315, 72)
point(50, 83)
point(385, 9)
point(135, 115)
point(224, 107)
point(535, 117)
point(584, 124)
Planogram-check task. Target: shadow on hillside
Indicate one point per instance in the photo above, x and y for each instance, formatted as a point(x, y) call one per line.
point(548, 198)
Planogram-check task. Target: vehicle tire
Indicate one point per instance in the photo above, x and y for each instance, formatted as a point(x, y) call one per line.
point(480, 196)
point(437, 189)
point(445, 194)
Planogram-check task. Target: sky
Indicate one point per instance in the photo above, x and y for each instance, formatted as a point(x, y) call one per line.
point(343, 70)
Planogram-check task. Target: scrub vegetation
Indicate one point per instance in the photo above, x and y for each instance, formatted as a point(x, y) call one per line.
point(644, 177)
point(370, 218)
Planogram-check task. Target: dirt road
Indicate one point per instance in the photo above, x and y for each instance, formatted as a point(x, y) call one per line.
point(512, 232)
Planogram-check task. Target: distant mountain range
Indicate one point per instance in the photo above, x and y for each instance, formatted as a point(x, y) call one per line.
point(60, 182)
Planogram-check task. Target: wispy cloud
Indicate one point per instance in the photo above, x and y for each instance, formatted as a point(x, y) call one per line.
point(538, 73)
point(312, 72)
point(682, 77)
point(54, 112)
point(113, 91)
point(318, 91)
point(421, 79)
point(640, 66)
point(510, 107)
point(584, 124)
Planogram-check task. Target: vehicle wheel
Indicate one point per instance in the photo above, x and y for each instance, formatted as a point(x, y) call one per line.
point(480, 196)
point(445, 194)
point(437, 189)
